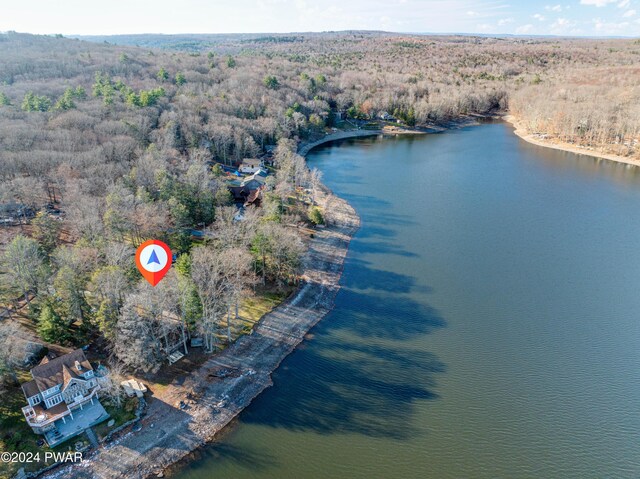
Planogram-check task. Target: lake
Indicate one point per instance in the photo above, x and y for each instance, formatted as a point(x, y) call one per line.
point(488, 325)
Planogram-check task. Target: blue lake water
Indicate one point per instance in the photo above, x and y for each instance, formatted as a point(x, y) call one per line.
point(488, 325)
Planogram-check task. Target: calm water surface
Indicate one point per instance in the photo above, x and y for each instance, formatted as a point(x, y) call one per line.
point(488, 325)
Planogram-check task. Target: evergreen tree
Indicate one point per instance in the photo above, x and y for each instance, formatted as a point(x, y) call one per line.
point(80, 93)
point(46, 230)
point(33, 102)
point(315, 216)
point(70, 287)
point(162, 75)
point(183, 265)
point(107, 318)
point(65, 102)
point(271, 82)
point(103, 88)
point(51, 327)
point(411, 117)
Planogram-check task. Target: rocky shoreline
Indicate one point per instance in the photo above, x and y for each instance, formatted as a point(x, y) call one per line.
point(169, 433)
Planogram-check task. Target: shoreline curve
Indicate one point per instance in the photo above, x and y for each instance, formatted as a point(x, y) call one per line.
point(520, 131)
point(170, 435)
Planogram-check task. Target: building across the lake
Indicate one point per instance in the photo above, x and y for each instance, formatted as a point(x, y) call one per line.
point(63, 397)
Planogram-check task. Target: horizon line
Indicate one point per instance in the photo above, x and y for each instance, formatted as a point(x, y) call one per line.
point(320, 32)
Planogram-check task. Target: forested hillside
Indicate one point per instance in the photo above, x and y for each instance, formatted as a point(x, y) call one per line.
point(578, 91)
point(109, 145)
point(102, 148)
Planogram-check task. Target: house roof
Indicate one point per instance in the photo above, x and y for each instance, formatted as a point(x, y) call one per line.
point(30, 389)
point(251, 161)
point(52, 373)
point(67, 376)
point(254, 195)
point(251, 184)
point(259, 176)
point(47, 357)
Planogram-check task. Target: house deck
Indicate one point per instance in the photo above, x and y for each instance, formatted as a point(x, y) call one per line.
point(88, 416)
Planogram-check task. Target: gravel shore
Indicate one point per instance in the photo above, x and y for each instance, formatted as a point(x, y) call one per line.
point(558, 145)
point(227, 383)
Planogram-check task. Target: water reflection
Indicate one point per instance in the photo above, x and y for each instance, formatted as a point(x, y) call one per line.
point(487, 326)
point(362, 389)
point(567, 162)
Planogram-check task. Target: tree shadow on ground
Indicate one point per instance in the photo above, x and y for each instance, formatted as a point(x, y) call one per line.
point(363, 372)
point(363, 389)
point(359, 275)
point(403, 320)
point(383, 247)
point(373, 231)
point(359, 375)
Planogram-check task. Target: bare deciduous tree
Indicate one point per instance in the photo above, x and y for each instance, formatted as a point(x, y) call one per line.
point(25, 265)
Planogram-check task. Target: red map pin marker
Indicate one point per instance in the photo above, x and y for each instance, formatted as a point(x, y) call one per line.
point(153, 259)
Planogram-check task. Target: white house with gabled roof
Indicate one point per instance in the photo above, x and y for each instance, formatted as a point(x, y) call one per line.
point(62, 397)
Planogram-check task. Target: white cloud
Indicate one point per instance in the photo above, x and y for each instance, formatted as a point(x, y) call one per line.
point(597, 3)
point(505, 21)
point(524, 29)
point(484, 27)
point(609, 28)
point(629, 13)
point(624, 3)
point(539, 17)
point(471, 13)
point(562, 26)
point(553, 8)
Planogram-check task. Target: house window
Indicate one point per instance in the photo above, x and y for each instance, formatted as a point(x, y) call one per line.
point(54, 400)
point(52, 391)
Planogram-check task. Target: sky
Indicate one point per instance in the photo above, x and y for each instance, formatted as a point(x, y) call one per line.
point(87, 17)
